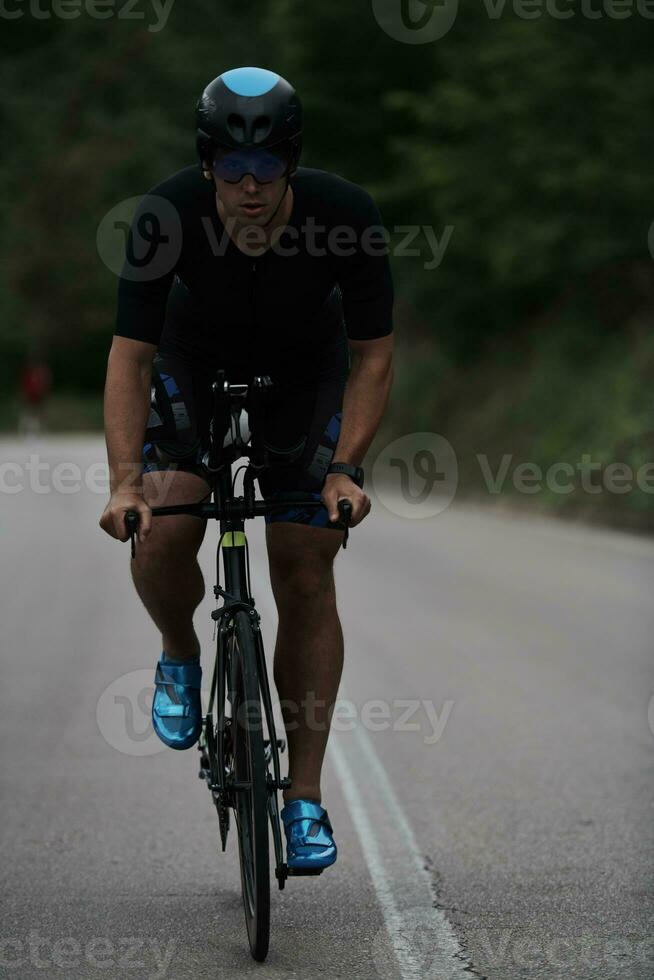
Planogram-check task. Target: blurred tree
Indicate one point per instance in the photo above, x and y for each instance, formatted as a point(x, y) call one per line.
point(528, 138)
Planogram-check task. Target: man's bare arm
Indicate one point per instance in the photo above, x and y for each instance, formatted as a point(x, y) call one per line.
point(126, 409)
point(364, 402)
point(366, 396)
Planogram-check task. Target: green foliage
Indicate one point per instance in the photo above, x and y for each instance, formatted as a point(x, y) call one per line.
point(529, 139)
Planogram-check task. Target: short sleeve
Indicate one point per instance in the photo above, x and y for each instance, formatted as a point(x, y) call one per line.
point(364, 277)
point(152, 249)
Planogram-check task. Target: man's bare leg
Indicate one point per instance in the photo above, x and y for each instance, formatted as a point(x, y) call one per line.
point(165, 571)
point(308, 660)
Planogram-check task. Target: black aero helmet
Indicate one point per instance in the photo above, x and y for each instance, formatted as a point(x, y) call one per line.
point(247, 109)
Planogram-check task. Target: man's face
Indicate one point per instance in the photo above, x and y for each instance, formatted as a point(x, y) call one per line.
point(251, 183)
point(248, 202)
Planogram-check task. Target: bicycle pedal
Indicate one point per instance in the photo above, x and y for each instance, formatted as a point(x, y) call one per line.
point(304, 872)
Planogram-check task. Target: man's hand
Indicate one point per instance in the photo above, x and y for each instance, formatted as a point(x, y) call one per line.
point(113, 517)
point(337, 486)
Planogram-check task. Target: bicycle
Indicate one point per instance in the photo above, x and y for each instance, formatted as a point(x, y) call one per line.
point(235, 757)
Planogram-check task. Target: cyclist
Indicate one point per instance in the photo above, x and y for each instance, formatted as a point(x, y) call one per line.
point(34, 384)
point(256, 265)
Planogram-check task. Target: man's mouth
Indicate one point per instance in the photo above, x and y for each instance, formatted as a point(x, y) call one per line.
point(252, 207)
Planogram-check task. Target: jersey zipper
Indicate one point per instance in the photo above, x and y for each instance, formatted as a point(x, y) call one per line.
point(254, 308)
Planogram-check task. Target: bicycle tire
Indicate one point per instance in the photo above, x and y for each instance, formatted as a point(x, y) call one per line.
point(251, 809)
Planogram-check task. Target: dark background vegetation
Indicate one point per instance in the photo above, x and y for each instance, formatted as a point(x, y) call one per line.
point(530, 138)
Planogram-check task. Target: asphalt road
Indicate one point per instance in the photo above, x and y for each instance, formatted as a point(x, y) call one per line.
point(490, 781)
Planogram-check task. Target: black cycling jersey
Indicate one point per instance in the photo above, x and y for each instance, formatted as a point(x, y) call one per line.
point(288, 311)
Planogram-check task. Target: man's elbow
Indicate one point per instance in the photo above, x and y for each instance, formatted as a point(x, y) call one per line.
point(375, 355)
point(127, 353)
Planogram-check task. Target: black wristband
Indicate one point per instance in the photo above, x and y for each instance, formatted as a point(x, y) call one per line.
point(354, 472)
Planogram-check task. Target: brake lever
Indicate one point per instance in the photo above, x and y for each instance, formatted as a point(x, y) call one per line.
point(132, 525)
point(345, 510)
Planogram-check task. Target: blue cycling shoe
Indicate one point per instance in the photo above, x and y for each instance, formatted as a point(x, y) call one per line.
point(177, 708)
point(310, 846)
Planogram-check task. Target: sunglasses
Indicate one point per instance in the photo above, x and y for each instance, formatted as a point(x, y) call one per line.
point(264, 165)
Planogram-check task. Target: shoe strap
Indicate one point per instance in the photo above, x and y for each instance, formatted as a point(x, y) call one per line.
point(183, 675)
point(306, 810)
point(172, 710)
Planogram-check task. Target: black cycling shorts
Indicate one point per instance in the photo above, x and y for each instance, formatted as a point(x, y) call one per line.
point(301, 432)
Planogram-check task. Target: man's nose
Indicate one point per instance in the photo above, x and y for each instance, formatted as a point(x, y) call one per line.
point(249, 184)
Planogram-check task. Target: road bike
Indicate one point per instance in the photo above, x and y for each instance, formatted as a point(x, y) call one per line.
point(239, 747)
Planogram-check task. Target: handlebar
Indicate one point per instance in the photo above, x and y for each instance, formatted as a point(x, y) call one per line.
point(234, 510)
point(254, 397)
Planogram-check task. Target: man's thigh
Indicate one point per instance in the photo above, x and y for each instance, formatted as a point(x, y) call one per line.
point(182, 533)
point(301, 559)
point(167, 487)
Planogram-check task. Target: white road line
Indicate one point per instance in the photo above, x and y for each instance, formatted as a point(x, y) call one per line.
point(418, 934)
point(421, 937)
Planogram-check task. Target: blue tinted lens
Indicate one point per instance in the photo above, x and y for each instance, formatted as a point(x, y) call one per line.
point(264, 165)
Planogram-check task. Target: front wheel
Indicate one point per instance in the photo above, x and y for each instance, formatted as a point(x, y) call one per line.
point(250, 770)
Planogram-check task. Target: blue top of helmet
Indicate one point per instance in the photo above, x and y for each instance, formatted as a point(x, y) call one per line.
point(250, 81)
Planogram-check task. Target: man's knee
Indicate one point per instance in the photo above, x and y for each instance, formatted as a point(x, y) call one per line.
point(305, 584)
point(172, 540)
point(301, 561)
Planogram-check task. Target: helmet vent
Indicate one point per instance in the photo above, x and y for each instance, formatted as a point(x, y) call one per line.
point(261, 128)
point(236, 127)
